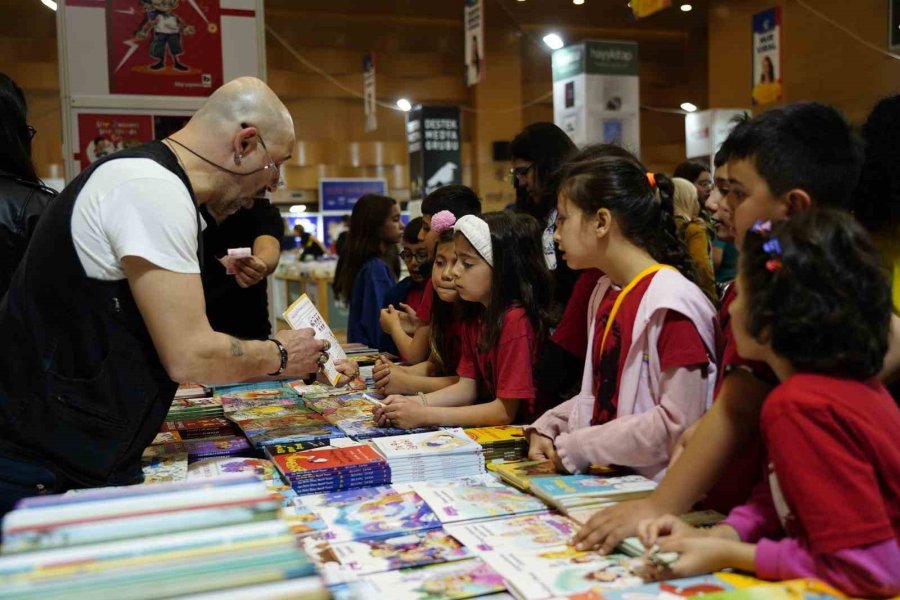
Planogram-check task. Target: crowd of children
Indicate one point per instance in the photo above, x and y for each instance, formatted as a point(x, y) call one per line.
point(762, 398)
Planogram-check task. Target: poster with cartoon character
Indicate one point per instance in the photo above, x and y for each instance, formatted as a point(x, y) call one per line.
point(102, 134)
point(164, 47)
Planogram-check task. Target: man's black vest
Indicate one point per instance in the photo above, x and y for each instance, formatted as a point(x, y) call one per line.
point(82, 389)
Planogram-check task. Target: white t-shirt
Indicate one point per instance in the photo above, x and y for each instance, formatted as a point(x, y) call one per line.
point(134, 207)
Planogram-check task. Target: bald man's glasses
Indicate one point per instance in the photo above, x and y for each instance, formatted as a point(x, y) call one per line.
point(277, 181)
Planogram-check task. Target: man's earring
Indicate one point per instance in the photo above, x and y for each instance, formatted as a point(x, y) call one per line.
point(237, 158)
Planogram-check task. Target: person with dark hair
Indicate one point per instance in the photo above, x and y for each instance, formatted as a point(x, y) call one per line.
point(502, 277)
point(366, 278)
point(459, 201)
point(23, 197)
point(876, 202)
point(724, 252)
point(444, 330)
point(342, 236)
point(559, 368)
point(650, 368)
point(238, 303)
point(309, 245)
point(537, 152)
point(698, 174)
point(813, 303)
point(106, 310)
point(407, 293)
point(780, 163)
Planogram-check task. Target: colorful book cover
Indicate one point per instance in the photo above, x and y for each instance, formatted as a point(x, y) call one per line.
point(520, 473)
point(564, 572)
point(326, 459)
point(498, 435)
point(261, 390)
point(705, 586)
point(159, 469)
point(301, 520)
point(391, 553)
point(526, 532)
point(449, 581)
point(273, 450)
point(297, 421)
point(564, 487)
point(793, 589)
point(197, 428)
point(268, 411)
point(371, 513)
point(435, 443)
point(211, 468)
point(453, 504)
point(202, 448)
point(303, 313)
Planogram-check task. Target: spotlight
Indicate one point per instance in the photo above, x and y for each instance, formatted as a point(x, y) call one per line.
point(404, 105)
point(553, 41)
point(688, 107)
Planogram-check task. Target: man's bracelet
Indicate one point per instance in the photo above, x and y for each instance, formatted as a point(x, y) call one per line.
point(284, 358)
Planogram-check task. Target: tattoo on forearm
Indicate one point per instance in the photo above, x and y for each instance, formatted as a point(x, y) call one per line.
point(237, 347)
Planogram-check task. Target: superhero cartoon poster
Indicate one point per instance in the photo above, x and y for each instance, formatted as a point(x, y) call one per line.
point(164, 47)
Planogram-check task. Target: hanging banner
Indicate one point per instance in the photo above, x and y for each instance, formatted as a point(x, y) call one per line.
point(369, 105)
point(767, 78)
point(164, 47)
point(341, 193)
point(473, 17)
point(433, 138)
point(894, 26)
point(645, 8)
point(596, 93)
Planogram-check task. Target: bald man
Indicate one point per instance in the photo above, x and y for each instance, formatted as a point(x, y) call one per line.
point(107, 312)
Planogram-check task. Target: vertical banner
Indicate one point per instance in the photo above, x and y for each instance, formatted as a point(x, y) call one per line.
point(645, 8)
point(369, 96)
point(433, 138)
point(473, 17)
point(596, 93)
point(894, 26)
point(164, 47)
point(767, 73)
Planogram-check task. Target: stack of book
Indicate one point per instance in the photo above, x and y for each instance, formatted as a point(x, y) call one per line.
point(519, 473)
point(194, 408)
point(581, 492)
point(226, 445)
point(161, 469)
point(150, 542)
point(332, 469)
point(505, 442)
point(445, 454)
point(235, 398)
point(299, 426)
point(191, 429)
point(475, 499)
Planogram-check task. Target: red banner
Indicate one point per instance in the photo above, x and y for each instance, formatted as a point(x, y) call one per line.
point(101, 135)
point(164, 47)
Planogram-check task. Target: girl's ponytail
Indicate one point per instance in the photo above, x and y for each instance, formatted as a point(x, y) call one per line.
point(668, 247)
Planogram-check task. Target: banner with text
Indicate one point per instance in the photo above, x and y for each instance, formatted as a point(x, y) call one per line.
point(473, 17)
point(767, 67)
point(369, 91)
point(434, 143)
point(645, 8)
point(596, 93)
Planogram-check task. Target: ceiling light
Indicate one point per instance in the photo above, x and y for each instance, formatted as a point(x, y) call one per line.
point(688, 107)
point(404, 105)
point(553, 41)
point(49, 4)
point(686, 8)
point(579, 2)
point(297, 208)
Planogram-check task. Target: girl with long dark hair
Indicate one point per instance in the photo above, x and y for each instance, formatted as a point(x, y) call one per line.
point(366, 278)
point(649, 371)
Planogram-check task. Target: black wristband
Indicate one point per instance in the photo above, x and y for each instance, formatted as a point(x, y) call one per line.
point(284, 358)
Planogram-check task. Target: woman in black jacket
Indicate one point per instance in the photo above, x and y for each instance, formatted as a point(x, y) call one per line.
point(23, 196)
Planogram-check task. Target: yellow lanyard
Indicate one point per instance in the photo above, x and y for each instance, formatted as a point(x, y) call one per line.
point(615, 309)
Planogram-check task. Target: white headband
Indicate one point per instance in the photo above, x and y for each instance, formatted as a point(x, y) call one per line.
point(479, 235)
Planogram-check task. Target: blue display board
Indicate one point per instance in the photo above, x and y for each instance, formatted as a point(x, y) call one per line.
point(342, 193)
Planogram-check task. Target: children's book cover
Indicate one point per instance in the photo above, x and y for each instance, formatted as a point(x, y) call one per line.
point(210, 468)
point(565, 487)
point(705, 586)
point(449, 581)
point(520, 473)
point(443, 442)
point(268, 412)
point(498, 434)
point(397, 552)
point(359, 458)
point(453, 504)
point(526, 532)
point(371, 512)
point(158, 469)
point(301, 520)
point(564, 571)
point(303, 313)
